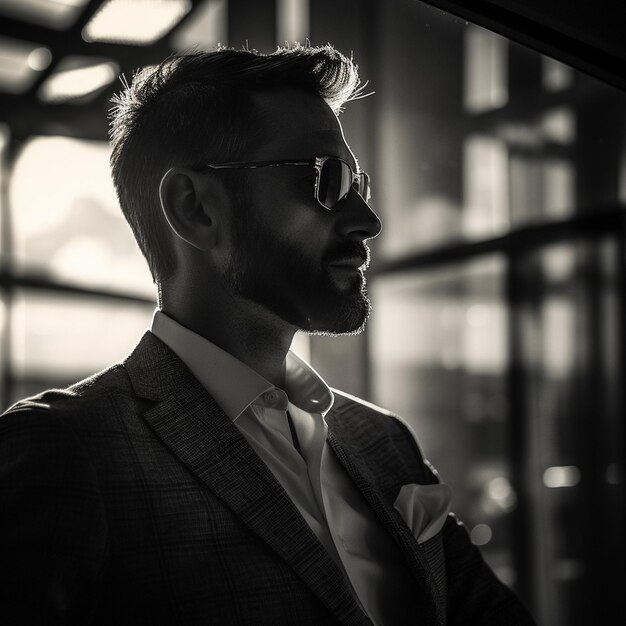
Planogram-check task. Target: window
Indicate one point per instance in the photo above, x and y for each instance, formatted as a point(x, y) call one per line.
point(496, 291)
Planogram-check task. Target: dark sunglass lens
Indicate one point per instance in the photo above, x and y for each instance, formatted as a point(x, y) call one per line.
point(334, 183)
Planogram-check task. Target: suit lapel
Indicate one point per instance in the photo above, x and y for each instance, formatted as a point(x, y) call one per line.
point(191, 424)
point(359, 472)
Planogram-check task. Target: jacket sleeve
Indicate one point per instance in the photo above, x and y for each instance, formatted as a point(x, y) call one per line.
point(474, 594)
point(53, 535)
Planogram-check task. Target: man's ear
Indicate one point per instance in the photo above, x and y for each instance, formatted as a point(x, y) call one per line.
point(190, 207)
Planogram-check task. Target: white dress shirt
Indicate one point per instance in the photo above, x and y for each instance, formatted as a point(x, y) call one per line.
point(315, 481)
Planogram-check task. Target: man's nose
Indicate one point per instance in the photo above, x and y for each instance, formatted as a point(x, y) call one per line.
point(356, 218)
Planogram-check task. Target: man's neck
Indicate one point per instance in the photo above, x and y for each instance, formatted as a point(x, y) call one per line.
point(255, 341)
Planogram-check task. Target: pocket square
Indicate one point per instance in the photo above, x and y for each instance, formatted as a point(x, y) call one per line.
point(424, 508)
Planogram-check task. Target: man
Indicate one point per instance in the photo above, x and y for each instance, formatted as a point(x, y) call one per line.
point(213, 477)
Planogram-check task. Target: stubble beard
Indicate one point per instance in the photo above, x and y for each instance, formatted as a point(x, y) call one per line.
point(279, 279)
point(350, 314)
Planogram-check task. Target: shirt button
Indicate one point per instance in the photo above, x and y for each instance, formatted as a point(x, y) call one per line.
point(270, 397)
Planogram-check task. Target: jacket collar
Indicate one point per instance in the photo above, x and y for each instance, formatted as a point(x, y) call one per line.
point(433, 610)
point(196, 430)
point(232, 383)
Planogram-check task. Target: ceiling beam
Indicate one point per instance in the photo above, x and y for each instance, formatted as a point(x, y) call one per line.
point(602, 55)
point(27, 115)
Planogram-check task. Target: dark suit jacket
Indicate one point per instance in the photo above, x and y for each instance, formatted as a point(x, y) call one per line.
point(131, 498)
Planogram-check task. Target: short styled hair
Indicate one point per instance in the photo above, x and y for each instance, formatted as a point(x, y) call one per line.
point(196, 108)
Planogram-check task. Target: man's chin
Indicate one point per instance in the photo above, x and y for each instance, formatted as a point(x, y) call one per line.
point(337, 332)
point(347, 318)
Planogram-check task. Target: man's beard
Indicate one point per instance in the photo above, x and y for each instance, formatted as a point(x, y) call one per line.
point(300, 291)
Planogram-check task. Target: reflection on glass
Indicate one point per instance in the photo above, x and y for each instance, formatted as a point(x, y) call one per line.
point(21, 62)
point(136, 23)
point(565, 476)
point(439, 349)
point(540, 188)
point(3, 352)
point(486, 198)
point(63, 337)
point(77, 79)
point(481, 534)
point(486, 75)
point(559, 125)
point(4, 143)
point(67, 221)
point(555, 75)
point(59, 15)
point(3, 315)
point(570, 354)
point(292, 20)
point(486, 135)
point(206, 27)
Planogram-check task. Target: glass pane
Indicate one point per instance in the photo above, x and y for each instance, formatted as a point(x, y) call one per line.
point(486, 81)
point(569, 339)
point(59, 339)
point(22, 62)
point(439, 356)
point(68, 225)
point(206, 27)
point(59, 15)
point(477, 135)
point(3, 352)
point(4, 144)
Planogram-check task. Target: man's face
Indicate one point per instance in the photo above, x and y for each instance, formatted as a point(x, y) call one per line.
point(289, 255)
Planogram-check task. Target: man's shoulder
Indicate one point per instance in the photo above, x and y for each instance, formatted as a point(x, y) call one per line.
point(346, 399)
point(381, 436)
point(352, 407)
point(90, 398)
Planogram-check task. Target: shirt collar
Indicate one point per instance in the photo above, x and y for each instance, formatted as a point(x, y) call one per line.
point(233, 384)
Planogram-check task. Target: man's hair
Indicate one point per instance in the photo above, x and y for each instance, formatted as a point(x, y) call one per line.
point(197, 108)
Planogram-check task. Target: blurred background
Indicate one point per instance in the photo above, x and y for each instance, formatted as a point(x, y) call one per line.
point(497, 283)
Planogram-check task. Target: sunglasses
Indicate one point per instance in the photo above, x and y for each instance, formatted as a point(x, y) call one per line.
point(333, 181)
